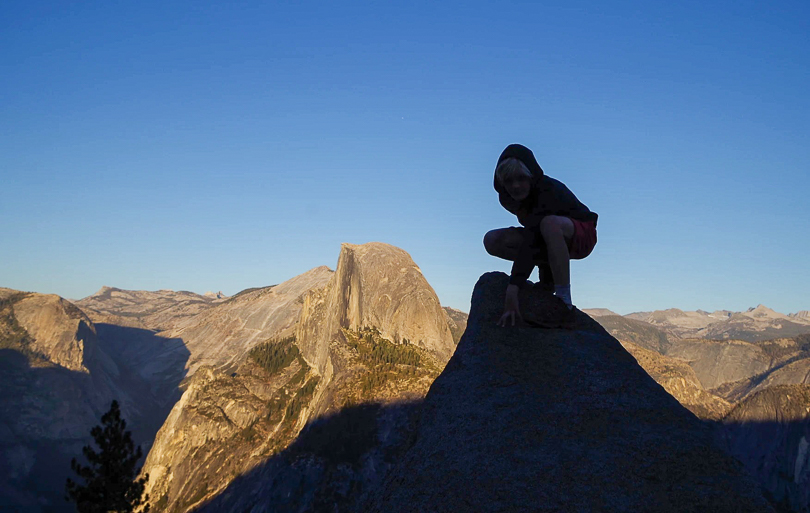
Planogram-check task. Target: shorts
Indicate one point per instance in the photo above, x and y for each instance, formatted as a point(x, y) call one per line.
point(580, 245)
point(583, 241)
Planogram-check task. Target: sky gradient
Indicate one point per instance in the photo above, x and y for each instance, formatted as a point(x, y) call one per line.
point(203, 146)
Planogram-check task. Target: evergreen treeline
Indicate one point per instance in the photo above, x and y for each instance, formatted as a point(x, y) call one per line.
point(375, 350)
point(301, 398)
point(275, 354)
point(385, 360)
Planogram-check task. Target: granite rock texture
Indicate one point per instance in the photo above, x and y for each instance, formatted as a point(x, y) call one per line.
point(527, 419)
point(221, 336)
point(374, 284)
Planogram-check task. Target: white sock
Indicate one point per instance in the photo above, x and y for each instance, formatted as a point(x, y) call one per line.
point(564, 292)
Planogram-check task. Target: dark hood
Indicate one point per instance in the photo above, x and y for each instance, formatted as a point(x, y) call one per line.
point(524, 155)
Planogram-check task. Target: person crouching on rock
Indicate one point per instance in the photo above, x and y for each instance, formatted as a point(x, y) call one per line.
point(556, 228)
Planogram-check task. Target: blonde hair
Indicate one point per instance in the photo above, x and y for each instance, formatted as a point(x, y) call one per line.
point(509, 167)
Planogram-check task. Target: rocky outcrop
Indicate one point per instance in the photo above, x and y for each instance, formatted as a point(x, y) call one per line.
point(378, 285)
point(770, 433)
point(221, 427)
point(555, 420)
point(60, 332)
point(719, 362)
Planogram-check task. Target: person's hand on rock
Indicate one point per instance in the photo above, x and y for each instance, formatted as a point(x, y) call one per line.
point(511, 307)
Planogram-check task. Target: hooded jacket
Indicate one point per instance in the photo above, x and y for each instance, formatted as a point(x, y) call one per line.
point(546, 197)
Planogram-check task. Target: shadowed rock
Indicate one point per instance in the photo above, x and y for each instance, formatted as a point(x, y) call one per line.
point(769, 432)
point(527, 419)
point(58, 378)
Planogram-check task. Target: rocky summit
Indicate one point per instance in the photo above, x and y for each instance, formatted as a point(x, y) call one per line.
point(372, 337)
point(531, 419)
point(374, 284)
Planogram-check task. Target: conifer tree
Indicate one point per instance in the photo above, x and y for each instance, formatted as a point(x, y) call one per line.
point(109, 479)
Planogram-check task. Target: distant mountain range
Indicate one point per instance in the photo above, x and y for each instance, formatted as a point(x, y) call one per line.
point(756, 323)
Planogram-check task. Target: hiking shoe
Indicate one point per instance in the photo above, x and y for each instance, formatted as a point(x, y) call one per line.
point(544, 287)
point(555, 315)
point(527, 285)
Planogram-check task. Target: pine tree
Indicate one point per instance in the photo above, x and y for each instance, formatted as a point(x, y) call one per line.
point(110, 483)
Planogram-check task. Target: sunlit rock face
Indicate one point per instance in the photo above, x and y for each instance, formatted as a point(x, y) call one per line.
point(380, 336)
point(216, 431)
point(153, 310)
point(457, 321)
point(755, 324)
point(556, 420)
point(59, 331)
point(222, 335)
point(379, 285)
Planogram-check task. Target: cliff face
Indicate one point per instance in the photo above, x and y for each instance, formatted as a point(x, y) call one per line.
point(770, 433)
point(60, 332)
point(378, 285)
point(554, 420)
point(221, 427)
point(374, 335)
point(456, 321)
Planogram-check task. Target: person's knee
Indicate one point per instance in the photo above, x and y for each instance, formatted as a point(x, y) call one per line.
point(492, 242)
point(550, 227)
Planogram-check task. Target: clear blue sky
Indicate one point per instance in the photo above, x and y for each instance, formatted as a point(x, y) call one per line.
point(219, 146)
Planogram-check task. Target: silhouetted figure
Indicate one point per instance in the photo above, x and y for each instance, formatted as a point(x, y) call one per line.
point(556, 227)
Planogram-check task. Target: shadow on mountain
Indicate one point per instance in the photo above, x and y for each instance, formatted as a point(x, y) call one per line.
point(340, 461)
point(335, 461)
point(157, 361)
point(39, 433)
point(774, 451)
point(47, 411)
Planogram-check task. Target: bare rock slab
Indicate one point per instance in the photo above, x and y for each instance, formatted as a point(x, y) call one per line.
point(529, 419)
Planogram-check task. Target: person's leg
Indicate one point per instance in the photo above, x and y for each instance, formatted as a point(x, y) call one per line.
point(504, 242)
point(557, 232)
